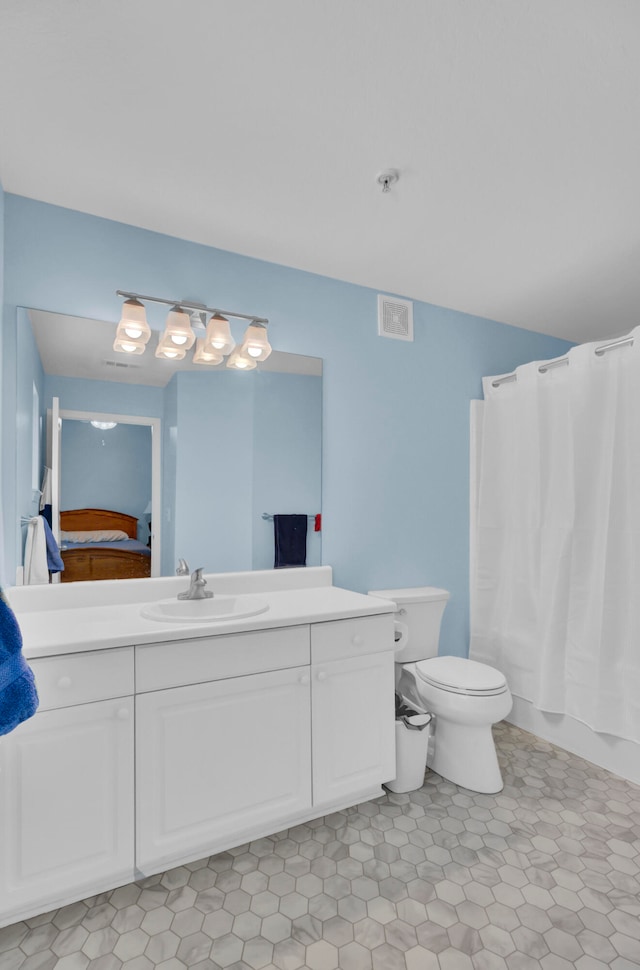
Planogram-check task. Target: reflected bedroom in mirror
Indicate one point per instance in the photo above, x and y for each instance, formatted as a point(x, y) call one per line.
point(139, 462)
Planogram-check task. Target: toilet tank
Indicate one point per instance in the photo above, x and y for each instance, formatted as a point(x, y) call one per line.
point(418, 617)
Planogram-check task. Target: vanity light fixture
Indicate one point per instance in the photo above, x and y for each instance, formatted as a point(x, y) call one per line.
point(127, 346)
point(239, 361)
point(219, 334)
point(133, 322)
point(167, 349)
point(178, 330)
point(133, 333)
point(255, 343)
point(206, 354)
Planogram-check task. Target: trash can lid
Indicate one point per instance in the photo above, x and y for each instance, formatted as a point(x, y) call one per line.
point(417, 720)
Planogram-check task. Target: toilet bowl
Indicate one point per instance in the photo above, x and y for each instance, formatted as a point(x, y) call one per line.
point(465, 697)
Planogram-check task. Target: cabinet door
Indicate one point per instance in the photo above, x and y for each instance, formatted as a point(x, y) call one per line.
point(66, 798)
point(218, 760)
point(353, 726)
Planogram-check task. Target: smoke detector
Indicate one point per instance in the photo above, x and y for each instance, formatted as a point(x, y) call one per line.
point(395, 318)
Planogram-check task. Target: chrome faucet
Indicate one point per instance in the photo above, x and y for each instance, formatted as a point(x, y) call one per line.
point(196, 589)
point(182, 568)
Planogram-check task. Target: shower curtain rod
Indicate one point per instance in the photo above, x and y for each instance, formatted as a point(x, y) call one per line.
point(543, 368)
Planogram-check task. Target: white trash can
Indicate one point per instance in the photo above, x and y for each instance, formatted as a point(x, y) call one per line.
point(412, 741)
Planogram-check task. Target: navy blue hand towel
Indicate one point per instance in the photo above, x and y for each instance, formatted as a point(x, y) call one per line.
point(290, 533)
point(18, 695)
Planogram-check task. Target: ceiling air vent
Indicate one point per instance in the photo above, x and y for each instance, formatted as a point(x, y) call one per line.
point(121, 363)
point(395, 318)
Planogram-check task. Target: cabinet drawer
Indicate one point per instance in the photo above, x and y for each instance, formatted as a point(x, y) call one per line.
point(181, 662)
point(351, 638)
point(78, 678)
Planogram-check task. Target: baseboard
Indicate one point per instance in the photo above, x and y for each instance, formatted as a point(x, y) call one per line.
point(617, 755)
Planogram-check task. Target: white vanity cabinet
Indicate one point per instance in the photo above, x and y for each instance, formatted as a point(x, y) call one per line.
point(353, 707)
point(145, 757)
point(66, 785)
point(228, 755)
point(245, 755)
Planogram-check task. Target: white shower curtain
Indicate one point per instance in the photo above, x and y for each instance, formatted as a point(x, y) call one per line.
point(556, 598)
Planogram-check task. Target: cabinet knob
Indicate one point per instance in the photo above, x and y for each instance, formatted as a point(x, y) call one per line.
point(123, 714)
point(357, 639)
point(64, 682)
point(304, 680)
point(322, 675)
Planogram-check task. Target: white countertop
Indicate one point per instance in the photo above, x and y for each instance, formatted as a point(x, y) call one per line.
point(76, 628)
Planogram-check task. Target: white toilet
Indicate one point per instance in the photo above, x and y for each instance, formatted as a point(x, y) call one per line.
point(466, 697)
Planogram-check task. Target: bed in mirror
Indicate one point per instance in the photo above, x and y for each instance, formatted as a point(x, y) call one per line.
point(195, 456)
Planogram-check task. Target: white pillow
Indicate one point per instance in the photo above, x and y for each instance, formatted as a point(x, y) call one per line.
point(94, 535)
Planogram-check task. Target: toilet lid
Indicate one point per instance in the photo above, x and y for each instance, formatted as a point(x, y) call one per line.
point(461, 676)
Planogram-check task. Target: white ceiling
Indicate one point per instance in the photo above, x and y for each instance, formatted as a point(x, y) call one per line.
point(259, 126)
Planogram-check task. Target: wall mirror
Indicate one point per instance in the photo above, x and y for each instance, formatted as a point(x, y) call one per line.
point(231, 449)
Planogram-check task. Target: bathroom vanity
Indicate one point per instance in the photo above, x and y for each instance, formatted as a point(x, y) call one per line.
point(158, 743)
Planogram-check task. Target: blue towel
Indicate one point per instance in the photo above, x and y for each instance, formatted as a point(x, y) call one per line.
point(290, 535)
point(18, 695)
point(54, 562)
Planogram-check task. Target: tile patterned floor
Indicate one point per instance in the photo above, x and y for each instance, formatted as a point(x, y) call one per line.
point(545, 874)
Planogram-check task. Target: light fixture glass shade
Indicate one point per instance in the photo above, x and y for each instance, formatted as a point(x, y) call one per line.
point(238, 361)
point(219, 334)
point(205, 354)
point(255, 343)
point(168, 350)
point(104, 425)
point(178, 329)
point(124, 345)
point(133, 322)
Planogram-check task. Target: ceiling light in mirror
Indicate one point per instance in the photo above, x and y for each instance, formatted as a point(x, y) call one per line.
point(169, 350)
point(205, 353)
point(238, 361)
point(104, 425)
point(125, 345)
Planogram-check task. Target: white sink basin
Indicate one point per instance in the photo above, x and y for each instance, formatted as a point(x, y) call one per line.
point(204, 611)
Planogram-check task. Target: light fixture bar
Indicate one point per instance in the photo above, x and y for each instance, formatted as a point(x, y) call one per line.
point(185, 304)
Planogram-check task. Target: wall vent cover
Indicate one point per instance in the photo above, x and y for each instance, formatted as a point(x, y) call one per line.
point(395, 318)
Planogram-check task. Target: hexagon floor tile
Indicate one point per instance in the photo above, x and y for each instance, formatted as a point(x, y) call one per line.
point(545, 874)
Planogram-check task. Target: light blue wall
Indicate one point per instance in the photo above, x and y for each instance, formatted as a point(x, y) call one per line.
point(107, 469)
point(396, 414)
point(214, 470)
point(241, 444)
point(287, 448)
point(107, 397)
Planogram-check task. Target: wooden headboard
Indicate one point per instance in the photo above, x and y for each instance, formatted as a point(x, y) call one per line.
point(87, 520)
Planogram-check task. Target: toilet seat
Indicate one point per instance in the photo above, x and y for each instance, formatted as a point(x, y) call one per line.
point(460, 676)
